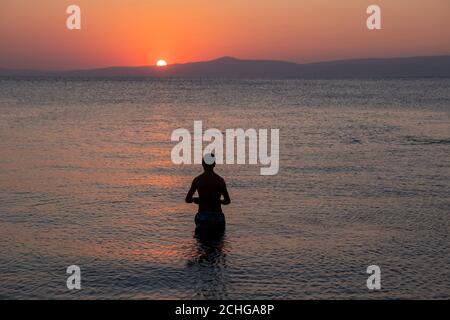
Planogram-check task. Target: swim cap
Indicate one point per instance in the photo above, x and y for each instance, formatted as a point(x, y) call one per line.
point(209, 158)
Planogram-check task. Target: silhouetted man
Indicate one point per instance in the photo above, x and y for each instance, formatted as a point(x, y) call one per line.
point(210, 187)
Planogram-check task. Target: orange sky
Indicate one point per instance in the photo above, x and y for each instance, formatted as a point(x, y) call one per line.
point(33, 34)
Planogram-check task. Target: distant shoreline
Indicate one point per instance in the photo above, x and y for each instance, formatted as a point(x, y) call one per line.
point(233, 68)
point(144, 78)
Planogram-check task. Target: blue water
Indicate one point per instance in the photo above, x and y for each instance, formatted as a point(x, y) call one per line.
point(86, 178)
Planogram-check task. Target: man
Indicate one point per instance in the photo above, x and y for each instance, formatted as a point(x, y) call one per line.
point(210, 187)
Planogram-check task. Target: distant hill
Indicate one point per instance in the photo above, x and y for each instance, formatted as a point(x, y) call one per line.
point(228, 67)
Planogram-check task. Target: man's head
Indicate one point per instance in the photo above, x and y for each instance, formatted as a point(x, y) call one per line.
point(209, 161)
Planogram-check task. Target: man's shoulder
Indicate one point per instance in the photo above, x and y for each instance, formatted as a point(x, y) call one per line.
point(200, 177)
point(219, 178)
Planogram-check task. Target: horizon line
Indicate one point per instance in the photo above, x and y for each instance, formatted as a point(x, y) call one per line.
point(225, 57)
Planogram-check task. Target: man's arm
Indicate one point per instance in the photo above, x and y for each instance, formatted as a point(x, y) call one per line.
point(191, 191)
point(226, 197)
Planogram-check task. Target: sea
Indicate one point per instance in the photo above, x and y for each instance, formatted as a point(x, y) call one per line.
point(87, 179)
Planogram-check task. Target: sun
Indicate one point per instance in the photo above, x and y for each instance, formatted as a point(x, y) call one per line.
point(161, 63)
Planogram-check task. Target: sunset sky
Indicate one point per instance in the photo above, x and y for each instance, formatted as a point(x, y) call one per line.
point(33, 34)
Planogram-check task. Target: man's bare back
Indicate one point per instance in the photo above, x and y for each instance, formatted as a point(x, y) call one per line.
point(210, 187)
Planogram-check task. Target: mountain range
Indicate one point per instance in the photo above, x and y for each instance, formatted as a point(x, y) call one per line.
point(229, 67)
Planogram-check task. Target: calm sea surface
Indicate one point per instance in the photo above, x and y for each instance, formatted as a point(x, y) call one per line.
point(86, 178)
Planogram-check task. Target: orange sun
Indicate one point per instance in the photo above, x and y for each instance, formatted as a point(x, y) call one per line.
point(161, 63)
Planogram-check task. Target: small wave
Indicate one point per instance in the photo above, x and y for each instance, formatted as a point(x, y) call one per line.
point(427, 141)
